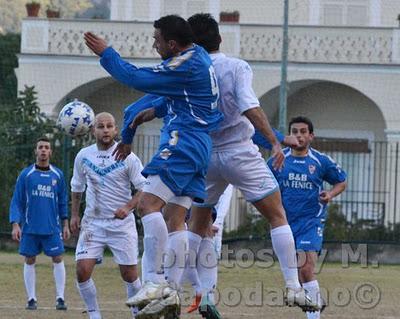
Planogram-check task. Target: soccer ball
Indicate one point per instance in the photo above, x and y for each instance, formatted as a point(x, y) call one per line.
point(76, 118)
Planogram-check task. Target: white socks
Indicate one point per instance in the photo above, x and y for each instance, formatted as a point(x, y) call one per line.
point(175, 258)
point(131, 289)
point(190, 274)
point(87, 290)
point(155, 244)
point(30, 280)
point(207, 267)
point(312, 287)
point(284, 248)
point(59, 278)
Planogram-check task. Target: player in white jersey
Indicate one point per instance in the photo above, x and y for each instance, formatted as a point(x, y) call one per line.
point(236, 160)
point(108, 220)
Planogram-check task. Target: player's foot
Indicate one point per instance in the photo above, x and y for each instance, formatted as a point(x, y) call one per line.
point(31, 305)
point(195, 304)
point(60, 304)
point(207, 309)
point(299, 297)
point(169, 307)
point(93, 314)
point(149, 292)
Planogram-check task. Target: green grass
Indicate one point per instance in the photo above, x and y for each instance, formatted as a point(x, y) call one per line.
point(254, 292)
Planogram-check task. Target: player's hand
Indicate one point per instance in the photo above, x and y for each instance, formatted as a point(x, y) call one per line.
point(143, 117)
point(66, 232)
point(278, 156)
point(16, 232)
point(95, 43)
point(291, 141)
point(325, 197)
point(122, 212)
point(122, 151)
point(74, 224)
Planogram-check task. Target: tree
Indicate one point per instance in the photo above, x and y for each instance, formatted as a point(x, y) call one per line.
point(9, 47)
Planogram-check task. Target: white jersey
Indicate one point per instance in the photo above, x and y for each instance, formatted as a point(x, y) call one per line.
point(236, 96)
point(107, 181)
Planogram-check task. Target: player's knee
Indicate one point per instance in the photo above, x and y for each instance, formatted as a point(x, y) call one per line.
point(57, 259)
point(83, 273)
point(30, 260)
point(129, 274)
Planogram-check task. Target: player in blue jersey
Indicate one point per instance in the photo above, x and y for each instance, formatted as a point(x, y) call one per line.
point(39, 218)
point(305, 201)
point(176, 174)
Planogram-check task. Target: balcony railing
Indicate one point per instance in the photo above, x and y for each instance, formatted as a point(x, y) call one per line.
point(308, 44)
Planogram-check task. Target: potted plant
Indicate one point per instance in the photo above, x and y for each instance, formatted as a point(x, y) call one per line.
point(229, 16)
point(32, 8)
point(52, 11)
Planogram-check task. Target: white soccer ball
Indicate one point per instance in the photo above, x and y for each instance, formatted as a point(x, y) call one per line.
point(76, 118)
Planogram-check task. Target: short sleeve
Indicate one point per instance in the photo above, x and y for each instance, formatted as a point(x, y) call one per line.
point(78, 181)
point(333, 173)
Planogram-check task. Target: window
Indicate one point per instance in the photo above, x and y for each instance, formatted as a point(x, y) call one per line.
point(345, 12)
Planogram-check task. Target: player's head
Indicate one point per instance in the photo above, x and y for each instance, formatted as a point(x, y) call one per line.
point(104, 129)
point(43, 150)
point(172, 35)
point(303, 129)
point(205, 31)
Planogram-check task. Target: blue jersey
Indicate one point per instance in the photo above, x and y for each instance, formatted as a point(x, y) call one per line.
point(39, 201)
point(187, 81)
point(301, 182)
point(260, 140)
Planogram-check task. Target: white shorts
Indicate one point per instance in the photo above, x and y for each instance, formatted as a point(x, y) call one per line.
point(245, 169)
point(119, 235)
point(154, 185)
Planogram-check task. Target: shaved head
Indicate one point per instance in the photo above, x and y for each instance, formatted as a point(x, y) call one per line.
point(104, 130)
point(104, 116)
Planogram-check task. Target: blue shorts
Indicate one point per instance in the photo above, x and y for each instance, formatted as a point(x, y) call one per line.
point(181, 162)
point(32, 245)
point(308, 233)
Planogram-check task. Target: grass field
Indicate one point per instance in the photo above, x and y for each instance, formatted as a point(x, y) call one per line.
point(254, 292)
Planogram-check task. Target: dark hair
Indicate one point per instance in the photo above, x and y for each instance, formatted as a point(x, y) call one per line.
point(174, 27)
point(302, 119)
point(206, 31)
point(43, 139)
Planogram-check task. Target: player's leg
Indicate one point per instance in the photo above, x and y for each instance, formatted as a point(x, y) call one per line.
point(203, 244)
point(129, 274)
point(86, 286)
point(53, 247)
point(89, 249)
point(122, 239)
point(154, 196)
point(259, 187)
point(177, 247)
point(200, 218)
point(59, 279)
point(30, 247)
point(30, 282)
point(308, 236)
point(309, 280)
